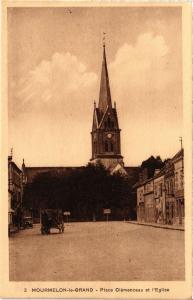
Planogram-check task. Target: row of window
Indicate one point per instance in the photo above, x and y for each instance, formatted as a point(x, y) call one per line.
point(169, 185)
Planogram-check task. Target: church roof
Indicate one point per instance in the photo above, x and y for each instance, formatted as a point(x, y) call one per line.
point(32, 172)
point(132, 174)
point(119, 169)
point(98, 115)
point(105, 93)
point(105, 103)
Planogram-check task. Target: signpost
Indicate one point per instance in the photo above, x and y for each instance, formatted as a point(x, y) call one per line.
point(67, 213)
point(106, 212)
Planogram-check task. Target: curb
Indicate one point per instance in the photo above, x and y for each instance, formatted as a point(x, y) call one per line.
point(157, 226)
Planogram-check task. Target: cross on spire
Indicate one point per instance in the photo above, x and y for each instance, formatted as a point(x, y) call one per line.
point(104, 38)
point(180, 139)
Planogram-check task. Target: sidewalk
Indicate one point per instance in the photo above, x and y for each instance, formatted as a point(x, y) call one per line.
point(173, 227)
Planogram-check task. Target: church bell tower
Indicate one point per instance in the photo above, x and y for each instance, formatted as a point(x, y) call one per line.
point(106, 144)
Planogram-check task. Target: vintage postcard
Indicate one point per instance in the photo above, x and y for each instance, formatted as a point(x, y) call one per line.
point(96, 168)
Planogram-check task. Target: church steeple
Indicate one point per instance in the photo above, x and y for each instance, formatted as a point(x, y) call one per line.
point(105, 93)
point(106, 141)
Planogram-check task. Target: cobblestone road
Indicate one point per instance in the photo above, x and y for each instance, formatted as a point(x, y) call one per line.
point(97, 251)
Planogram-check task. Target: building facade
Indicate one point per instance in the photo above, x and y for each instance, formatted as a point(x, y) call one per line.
point(160, 199)
point(169, 193)
point(178, 162)
point(140, 204)
point(15, 191)
point(149, 208)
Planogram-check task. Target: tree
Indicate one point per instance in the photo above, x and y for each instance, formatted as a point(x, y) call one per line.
point(151, 164)
point(85, 192)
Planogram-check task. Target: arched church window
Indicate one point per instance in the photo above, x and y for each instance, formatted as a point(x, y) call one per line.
point(111, 147)
point(112, 124)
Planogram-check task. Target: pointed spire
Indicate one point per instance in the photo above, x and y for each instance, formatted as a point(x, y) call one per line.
point(23, 164)
point(105, 94)
point(180, 140)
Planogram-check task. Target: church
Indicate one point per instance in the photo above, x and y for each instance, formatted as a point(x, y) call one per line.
point(105, 137)
point(106, 143)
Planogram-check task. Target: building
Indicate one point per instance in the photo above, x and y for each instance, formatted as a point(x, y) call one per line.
point(29, 173)
point(140, 204)
point(14, 194)
point(105, 135)
point(149, 204)
point(178, 161)
point(169, 193)
point(160, 199)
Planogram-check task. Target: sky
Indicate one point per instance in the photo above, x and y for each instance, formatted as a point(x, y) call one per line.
point(54, 68)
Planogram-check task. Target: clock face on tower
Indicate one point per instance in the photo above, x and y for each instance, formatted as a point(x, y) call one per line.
point(109, 135)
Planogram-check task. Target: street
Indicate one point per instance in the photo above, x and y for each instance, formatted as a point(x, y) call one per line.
point(97, 251)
